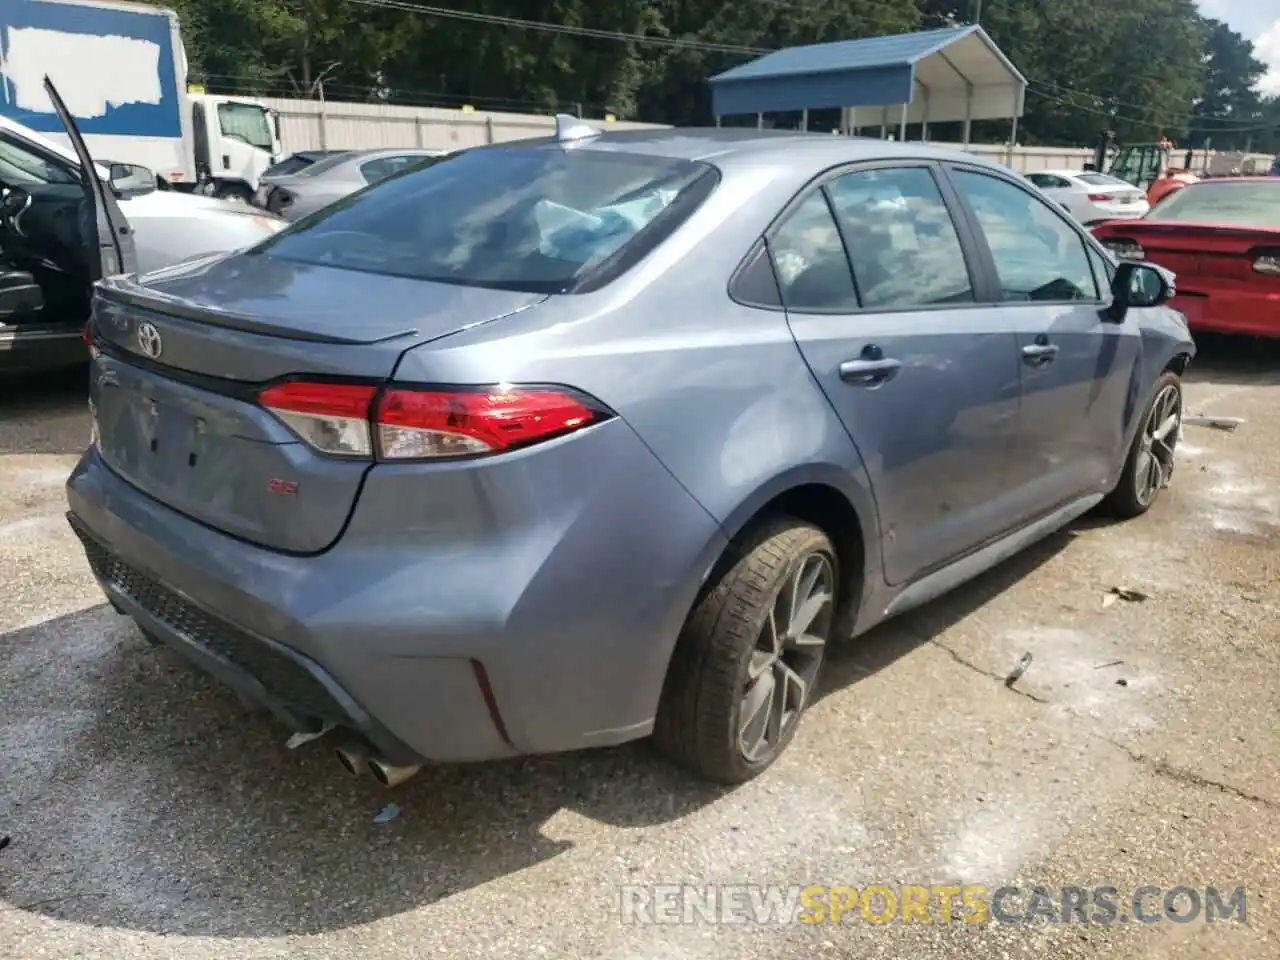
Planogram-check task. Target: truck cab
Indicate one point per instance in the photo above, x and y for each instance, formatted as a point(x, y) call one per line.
point(234, 140)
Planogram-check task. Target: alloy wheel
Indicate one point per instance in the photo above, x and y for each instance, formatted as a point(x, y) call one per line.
point(1160, 433)
point(787, 657)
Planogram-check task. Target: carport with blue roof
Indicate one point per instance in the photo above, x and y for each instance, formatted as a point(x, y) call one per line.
point(956, 74)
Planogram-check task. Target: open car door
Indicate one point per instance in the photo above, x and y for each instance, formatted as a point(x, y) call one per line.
point(102, 221)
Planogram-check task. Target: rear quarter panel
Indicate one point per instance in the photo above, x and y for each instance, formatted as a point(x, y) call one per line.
point(718, 391)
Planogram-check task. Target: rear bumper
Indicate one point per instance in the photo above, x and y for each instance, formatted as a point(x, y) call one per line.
point(541, 638)
point(1237, 311)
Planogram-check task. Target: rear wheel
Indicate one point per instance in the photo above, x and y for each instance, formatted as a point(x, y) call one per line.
point(747, 663)
point(1149, 465)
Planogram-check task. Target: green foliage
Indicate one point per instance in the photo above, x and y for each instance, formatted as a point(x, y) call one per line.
point(1141, 68)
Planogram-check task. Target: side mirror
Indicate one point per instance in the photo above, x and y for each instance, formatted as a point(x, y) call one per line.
point(131, 180)
point(1138, 285)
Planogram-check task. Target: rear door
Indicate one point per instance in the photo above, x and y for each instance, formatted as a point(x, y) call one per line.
point(1076, 368)
point(881, 299)
point(102, 225)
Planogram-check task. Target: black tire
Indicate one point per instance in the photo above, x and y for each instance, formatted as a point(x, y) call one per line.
point(1124, 502)
point(698, 722)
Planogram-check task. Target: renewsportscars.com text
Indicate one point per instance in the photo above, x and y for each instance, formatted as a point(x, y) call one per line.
point(667, 904)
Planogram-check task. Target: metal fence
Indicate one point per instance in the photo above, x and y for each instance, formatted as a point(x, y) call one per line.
point(321, 125)
point(333, 125)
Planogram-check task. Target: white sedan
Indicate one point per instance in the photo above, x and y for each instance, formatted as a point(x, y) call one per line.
point(1091, 197)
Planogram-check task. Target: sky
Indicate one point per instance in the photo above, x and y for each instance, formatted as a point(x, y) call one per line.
point(1256, 20)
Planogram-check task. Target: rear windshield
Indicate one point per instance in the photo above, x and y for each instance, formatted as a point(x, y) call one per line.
point(536, 219)
point(322, 164)
point(1100, 180)
point(1238, 203)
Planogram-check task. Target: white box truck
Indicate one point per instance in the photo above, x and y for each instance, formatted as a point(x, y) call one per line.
point(122, 69)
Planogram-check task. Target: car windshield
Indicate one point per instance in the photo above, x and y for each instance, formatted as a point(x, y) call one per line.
point(1235, 202)
point(20, 165)
point(533, 219)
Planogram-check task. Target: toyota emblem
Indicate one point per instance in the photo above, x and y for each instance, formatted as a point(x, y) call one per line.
point(149, 341)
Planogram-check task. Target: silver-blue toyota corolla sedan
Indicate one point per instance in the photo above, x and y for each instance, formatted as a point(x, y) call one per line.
point(563, 443)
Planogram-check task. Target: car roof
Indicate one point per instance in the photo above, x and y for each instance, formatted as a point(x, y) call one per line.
point(739, 145)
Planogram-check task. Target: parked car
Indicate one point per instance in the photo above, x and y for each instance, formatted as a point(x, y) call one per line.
point(46, 272)
point(290, 166)
point(1222, 238)
point(1091, 197)
point(561, 443)
point(295, 162)
point(332, 178)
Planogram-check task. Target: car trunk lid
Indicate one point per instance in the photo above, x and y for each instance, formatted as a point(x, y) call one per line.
point(1221, 251)
point(181, 359)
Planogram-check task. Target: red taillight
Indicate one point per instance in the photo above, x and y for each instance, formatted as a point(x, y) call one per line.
point(414, 424)
point(1099, 197)
point(332, 417)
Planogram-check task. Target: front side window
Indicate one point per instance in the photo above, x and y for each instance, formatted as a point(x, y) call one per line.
point(246, 122)
point(20, 165)
point(902, 242)
point(521, 218)
point(810, 262)
point(1038, 256)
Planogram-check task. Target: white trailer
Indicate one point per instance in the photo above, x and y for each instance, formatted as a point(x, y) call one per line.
point(122, 69)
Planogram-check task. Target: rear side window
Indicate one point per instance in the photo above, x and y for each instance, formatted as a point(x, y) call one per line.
point(1038, 256)
point(809, 258)
point(535, 219)
point(902, 242)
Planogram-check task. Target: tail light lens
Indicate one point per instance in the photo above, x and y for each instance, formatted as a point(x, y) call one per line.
point(331, 417)
point(1099, 198)
point(1125, 249)
point(407, 423)
point(1268, 264)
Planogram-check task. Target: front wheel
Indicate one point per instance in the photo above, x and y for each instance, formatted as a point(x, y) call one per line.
point(747, 663)
point(1149, 465)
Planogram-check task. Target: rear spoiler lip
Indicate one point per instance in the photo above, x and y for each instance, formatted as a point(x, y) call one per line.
point(124, 291)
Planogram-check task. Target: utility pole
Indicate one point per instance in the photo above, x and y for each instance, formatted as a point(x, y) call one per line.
point(977, 11)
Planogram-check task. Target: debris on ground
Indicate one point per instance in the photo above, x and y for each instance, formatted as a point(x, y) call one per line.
point(1113, 663)
point(387, 813)
point(1018, 670)
point(1227, 424)
point(298, 739)
point(1123, 593)
point(4, 841)
point(1122, 682)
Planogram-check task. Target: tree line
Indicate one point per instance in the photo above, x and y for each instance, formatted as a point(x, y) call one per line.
point(1144, 69)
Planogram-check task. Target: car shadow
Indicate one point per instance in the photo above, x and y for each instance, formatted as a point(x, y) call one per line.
point(879, 648)
point(1244, 361)
point(176, 809)
point(45, 414)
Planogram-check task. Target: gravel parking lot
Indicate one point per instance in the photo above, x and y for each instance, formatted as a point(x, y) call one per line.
point(152, 815)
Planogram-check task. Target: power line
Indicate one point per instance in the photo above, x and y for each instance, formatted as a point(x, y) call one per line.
point(560, 28)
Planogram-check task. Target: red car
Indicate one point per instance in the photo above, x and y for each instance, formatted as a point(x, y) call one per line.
point(1222, 239)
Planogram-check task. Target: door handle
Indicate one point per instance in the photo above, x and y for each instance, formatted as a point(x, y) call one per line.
point(869, 373)
point(1038, 354)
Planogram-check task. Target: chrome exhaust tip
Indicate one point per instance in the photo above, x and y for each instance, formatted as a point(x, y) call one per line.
point(389, 775)
point(354, 757)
